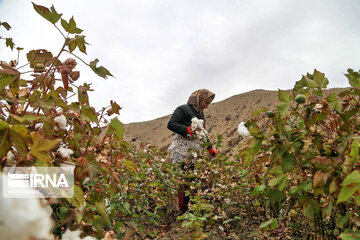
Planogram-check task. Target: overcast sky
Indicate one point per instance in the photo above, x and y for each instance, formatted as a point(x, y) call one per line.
point(160, 51)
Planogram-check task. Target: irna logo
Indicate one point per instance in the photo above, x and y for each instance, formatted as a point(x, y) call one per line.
point(39, 182)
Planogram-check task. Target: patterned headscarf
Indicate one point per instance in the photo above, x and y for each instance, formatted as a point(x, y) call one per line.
point(199, 95)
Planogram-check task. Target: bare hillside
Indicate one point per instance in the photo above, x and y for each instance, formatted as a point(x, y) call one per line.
point(222, 118)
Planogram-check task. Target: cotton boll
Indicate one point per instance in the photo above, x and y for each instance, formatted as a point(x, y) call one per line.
point(38, 126)
point(89, 238)
point(197, 125)
point(242, 130)
point(61, 122)
point(22, 219)
point(69, 235)
point(65, 152)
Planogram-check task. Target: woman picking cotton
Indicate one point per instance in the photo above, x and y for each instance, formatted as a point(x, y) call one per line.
point(182, 122)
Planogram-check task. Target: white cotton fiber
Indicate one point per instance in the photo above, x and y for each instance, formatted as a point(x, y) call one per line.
point(23, 219)
point(75, 235)
point(38, 126)
point(197, 125)
point(61, 122)
point(242, 130)
point(69, 235)
point(65, 152)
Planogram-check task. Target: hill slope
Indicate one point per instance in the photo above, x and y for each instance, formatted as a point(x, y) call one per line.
point(222, 118)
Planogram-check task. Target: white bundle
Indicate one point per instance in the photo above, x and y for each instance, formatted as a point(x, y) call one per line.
point(242, 130)
point(65, 152)
point(61, 122)
point(197, 125)
point(23, 218)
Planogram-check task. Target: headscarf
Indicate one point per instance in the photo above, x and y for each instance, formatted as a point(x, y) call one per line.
point(199, 95)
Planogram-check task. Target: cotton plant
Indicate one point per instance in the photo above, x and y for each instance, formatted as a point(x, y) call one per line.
point(23, 219)
point(242, 130)
point(197, 126)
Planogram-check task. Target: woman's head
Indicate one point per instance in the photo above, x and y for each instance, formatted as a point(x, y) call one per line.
point(201, 99)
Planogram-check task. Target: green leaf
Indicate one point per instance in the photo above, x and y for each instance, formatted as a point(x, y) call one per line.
point(334, 104)
point(72, 44)
point(280, 180)
point(354, 151)
point(101, 71)
point(320, 79)
point(50, 15)
point(115, 107)
point(353, 177)
point(341, 220)
point(70, 26)
point(20, 137)
point(300, 84)
point(40, 147)
point(288, 162)
point(7, 79)
point(80, 42)
point(65, 24)
point(311, 84)
point(349, 236)
point(39, 56)
point(78, 199)
point(101, 208)
point(118, 128)
point(283, 108)
point(283, 96)
point(127, 207)
point(272, 224)
point(4, 126)
point(5, 143)
point(354, 78)
point(6, 25)
point(346, 192)
point(257, 190)
point(130, 165)
point(88, 114)
point(311, 208)
point(9, 43)
point(83, 95)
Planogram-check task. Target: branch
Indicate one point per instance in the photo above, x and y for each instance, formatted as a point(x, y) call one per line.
point(60, 31)
point(77, 57)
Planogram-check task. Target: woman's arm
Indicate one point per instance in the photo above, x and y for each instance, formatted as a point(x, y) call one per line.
point(177, 122)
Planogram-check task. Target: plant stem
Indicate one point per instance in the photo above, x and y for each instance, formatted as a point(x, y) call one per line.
point(23, 66)
point(60, 31)
point(77, 57)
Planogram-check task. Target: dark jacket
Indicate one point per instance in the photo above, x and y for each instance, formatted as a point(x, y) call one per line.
point(181, 119)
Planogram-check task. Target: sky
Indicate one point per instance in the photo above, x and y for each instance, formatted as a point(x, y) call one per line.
point(160, 51)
